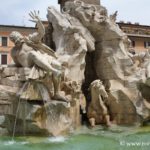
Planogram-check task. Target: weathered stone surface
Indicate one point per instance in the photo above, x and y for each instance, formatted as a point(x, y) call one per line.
point(7, 97)
point(36, 112)
point(109, 45)
point(13, 76)
point(73, 43)
point(107, 57)
point(57, 117)
point(15, 71)
point(122, 109)
point(2, 119)
point(3, 131)
point(144, 87)
point(89, 46)
point(52, 118)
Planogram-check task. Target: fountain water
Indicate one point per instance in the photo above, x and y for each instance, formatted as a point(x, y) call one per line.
point(17, 110)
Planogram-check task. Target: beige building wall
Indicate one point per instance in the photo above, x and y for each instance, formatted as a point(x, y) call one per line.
point(5, 32)
point(138, 34)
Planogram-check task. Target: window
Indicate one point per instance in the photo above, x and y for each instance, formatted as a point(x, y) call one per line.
point(133, 43)
point(3, 58)
point(4, 41)
point(146, 44)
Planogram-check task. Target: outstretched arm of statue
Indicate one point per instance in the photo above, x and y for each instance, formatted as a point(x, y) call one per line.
point(37, 36)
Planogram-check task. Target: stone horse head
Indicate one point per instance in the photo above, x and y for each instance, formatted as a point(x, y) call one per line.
point(97, 89)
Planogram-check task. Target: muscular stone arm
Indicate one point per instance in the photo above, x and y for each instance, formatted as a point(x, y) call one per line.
point(37, 36)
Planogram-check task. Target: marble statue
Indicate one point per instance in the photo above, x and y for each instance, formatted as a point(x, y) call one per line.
point(90, 51)
point(97, 110)
point(104, 56)
point(143, 59)
point(31, 52)
point(113, 17)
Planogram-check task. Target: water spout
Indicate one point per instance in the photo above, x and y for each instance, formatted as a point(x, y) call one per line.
point(17, 111)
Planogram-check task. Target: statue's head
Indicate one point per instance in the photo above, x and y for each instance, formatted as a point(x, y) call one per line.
point(16, 37)
point(98, 87)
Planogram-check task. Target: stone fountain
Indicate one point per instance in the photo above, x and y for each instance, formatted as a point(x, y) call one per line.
point(90, 69)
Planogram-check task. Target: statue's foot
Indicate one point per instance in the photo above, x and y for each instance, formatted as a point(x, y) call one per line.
point(92, 122)
point(111, 125)
point(60, 98)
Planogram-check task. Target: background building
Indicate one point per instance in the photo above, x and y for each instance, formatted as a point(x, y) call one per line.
point(5, 43)
point(138, 34)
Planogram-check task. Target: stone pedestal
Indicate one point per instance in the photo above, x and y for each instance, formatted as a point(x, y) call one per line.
point(34, 111)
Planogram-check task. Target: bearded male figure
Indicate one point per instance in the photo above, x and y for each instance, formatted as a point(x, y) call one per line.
point(31, 52)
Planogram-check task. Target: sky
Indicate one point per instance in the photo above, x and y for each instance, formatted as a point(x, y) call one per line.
point(15, 12)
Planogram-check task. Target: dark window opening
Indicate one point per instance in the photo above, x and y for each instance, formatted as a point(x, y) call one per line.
point(4, 41)
point(146, 44)
point(133, 43)
point(4, 59)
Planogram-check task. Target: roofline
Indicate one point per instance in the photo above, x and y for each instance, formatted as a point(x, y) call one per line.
point(138, 35)
point(44, 21)
point(131, 24)
point(15, 26)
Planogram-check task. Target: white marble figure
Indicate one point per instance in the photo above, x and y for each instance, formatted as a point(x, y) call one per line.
point(143, 59)
point(31, 52)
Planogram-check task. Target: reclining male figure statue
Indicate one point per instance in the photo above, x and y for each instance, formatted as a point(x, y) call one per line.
point(30, 51)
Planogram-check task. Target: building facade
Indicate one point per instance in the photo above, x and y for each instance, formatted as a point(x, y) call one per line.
point(138, 34)
point(6, 45)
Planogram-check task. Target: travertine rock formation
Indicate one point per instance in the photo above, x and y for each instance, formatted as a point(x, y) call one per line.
point(72, 41)
point(104, 56)
point(89, 46)
point(36, 112)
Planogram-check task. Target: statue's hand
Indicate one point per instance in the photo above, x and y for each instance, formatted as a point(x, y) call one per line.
point(34, 16)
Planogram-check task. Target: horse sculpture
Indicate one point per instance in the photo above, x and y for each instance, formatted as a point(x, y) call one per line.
point(97, 110)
